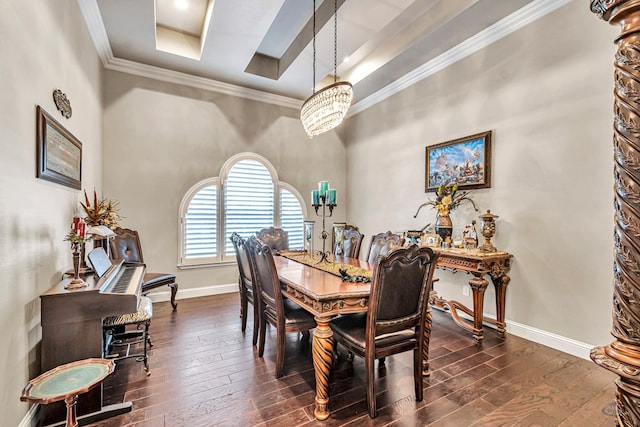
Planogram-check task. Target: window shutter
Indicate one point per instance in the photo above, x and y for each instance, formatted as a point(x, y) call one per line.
point(200, 226)
point(249, 204)
point(291, 218)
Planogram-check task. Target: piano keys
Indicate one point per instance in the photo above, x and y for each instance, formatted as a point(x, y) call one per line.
point(72, 329)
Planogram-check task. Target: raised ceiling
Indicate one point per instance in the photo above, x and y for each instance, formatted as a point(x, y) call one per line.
point(261, 49)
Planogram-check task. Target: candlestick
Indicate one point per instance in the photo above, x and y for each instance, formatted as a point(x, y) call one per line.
point(324, 200)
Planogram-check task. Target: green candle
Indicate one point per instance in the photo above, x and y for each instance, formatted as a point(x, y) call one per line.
point(324, 187)
point(315, 197)
point(332, 196)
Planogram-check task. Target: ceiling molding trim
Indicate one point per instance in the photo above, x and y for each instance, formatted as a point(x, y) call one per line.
point(170, 76)
point(95, 26)
point(519, 19)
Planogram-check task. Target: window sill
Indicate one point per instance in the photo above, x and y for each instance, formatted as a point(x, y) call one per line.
point(206, 265)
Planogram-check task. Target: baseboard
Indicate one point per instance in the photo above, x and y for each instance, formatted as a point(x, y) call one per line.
point(558, 342)
point(30, 417)
point(161, 296)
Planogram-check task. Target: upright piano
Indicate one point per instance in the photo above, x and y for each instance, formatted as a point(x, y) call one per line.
point(72, 330)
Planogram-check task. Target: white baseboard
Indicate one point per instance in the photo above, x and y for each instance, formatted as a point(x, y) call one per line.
point(558, 342)
point(30, 417)
point(161, 296)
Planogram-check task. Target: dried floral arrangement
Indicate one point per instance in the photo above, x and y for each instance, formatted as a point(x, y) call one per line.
point(447, 199)
point(102, 212)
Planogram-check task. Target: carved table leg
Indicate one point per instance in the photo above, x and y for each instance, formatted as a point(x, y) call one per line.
point(71, 410)
point(322, 359)
point(478, 286)
point(428, 320)
point(500, 283)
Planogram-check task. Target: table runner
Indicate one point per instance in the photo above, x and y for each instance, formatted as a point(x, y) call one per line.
point(333, 267)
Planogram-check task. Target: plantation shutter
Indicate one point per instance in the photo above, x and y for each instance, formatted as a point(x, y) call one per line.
point(201, 222)
point(249, 205)
point(291, 218)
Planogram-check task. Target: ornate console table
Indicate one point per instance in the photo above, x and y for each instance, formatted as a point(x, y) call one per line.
point(479, 264)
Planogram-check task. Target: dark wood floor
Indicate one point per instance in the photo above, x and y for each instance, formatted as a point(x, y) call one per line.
point(205, 372)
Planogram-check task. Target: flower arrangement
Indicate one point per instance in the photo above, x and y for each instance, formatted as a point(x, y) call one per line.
point(447, 199)
point(101, 212)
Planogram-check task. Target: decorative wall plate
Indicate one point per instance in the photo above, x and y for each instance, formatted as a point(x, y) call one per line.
point(62, 103)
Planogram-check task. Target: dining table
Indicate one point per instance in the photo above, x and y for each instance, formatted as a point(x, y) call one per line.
point(320, 289)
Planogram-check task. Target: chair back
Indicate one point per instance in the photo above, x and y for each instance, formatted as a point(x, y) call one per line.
point(126, 245)
point(351, 242)
point(402, 280)
point(265, 276)
point(276, 238)
point(381, 244)
point(242, 258)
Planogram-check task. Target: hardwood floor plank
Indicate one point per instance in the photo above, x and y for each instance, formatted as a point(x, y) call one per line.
point(205, 372)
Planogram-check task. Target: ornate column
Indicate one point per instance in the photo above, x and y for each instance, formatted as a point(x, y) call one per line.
point(622, 356)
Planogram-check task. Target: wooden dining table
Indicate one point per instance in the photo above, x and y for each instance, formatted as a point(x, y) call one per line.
point(325, 296)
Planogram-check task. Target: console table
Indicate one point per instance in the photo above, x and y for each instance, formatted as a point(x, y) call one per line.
point(496, 265)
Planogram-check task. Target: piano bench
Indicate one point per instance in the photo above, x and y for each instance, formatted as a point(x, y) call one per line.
point(117, 337)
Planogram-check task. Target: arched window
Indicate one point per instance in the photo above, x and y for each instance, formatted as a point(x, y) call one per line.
point(244, 199)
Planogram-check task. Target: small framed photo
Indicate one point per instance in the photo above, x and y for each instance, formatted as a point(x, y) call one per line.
point(463, 161)
point(59, 152)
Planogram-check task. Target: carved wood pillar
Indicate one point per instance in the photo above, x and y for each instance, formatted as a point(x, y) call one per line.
point(622, 356)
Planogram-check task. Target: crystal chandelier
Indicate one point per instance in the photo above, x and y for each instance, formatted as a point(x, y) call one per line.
point(326, 108)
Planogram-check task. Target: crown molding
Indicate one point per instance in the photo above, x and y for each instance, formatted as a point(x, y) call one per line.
point(95, 26)
point(518, 19)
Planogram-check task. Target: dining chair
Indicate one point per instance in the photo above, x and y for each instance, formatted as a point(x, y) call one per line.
point(126, 245)
point(276, 238)
point(246, 285)
point(395, 320)
point(280, 312)
point(351, 242)
point(381, 244)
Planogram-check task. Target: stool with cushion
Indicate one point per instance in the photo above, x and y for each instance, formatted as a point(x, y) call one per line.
point(126, 245)
point(123, 333)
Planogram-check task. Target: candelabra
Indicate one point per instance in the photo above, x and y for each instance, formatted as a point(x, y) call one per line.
point(325, 198)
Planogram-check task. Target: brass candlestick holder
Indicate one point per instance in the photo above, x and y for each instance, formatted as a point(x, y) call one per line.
point(76, 282)
point(488, 231)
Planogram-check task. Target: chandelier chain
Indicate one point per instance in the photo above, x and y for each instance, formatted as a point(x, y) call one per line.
point(335, 41)
point(313, 83)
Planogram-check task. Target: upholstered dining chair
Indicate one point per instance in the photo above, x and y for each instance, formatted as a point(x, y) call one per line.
point(126, 245)
point(280, 312)
point(351, 242)
point(395, 321)
point(381, 244)
point(246, 285)
point(276, 238)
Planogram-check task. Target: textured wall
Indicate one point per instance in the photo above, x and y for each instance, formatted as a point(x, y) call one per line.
point(44, 45)
point(546, 93)
point(162, 138)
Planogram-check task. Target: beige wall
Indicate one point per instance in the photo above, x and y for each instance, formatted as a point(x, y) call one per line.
point(162, 138)
point(546, 93)
point(44, 45)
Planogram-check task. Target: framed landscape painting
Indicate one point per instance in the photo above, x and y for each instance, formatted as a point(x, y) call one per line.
point(463, 161)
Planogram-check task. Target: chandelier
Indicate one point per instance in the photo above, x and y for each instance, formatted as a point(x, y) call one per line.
point(326, 108)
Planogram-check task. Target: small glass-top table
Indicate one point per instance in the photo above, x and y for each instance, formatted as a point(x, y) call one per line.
point(66, 382)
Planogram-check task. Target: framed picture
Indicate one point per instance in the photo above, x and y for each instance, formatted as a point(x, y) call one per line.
point(59, 152)
point(465, 161)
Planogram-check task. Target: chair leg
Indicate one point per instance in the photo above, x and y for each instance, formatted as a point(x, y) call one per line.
point(280, 353)
point(243, 310)
point(174, 291)
point(381, 361)
point(371, 386)
point(306, 335)
point(262, 336)
point(145, 342)
point(417, 373)
point(256, 323)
